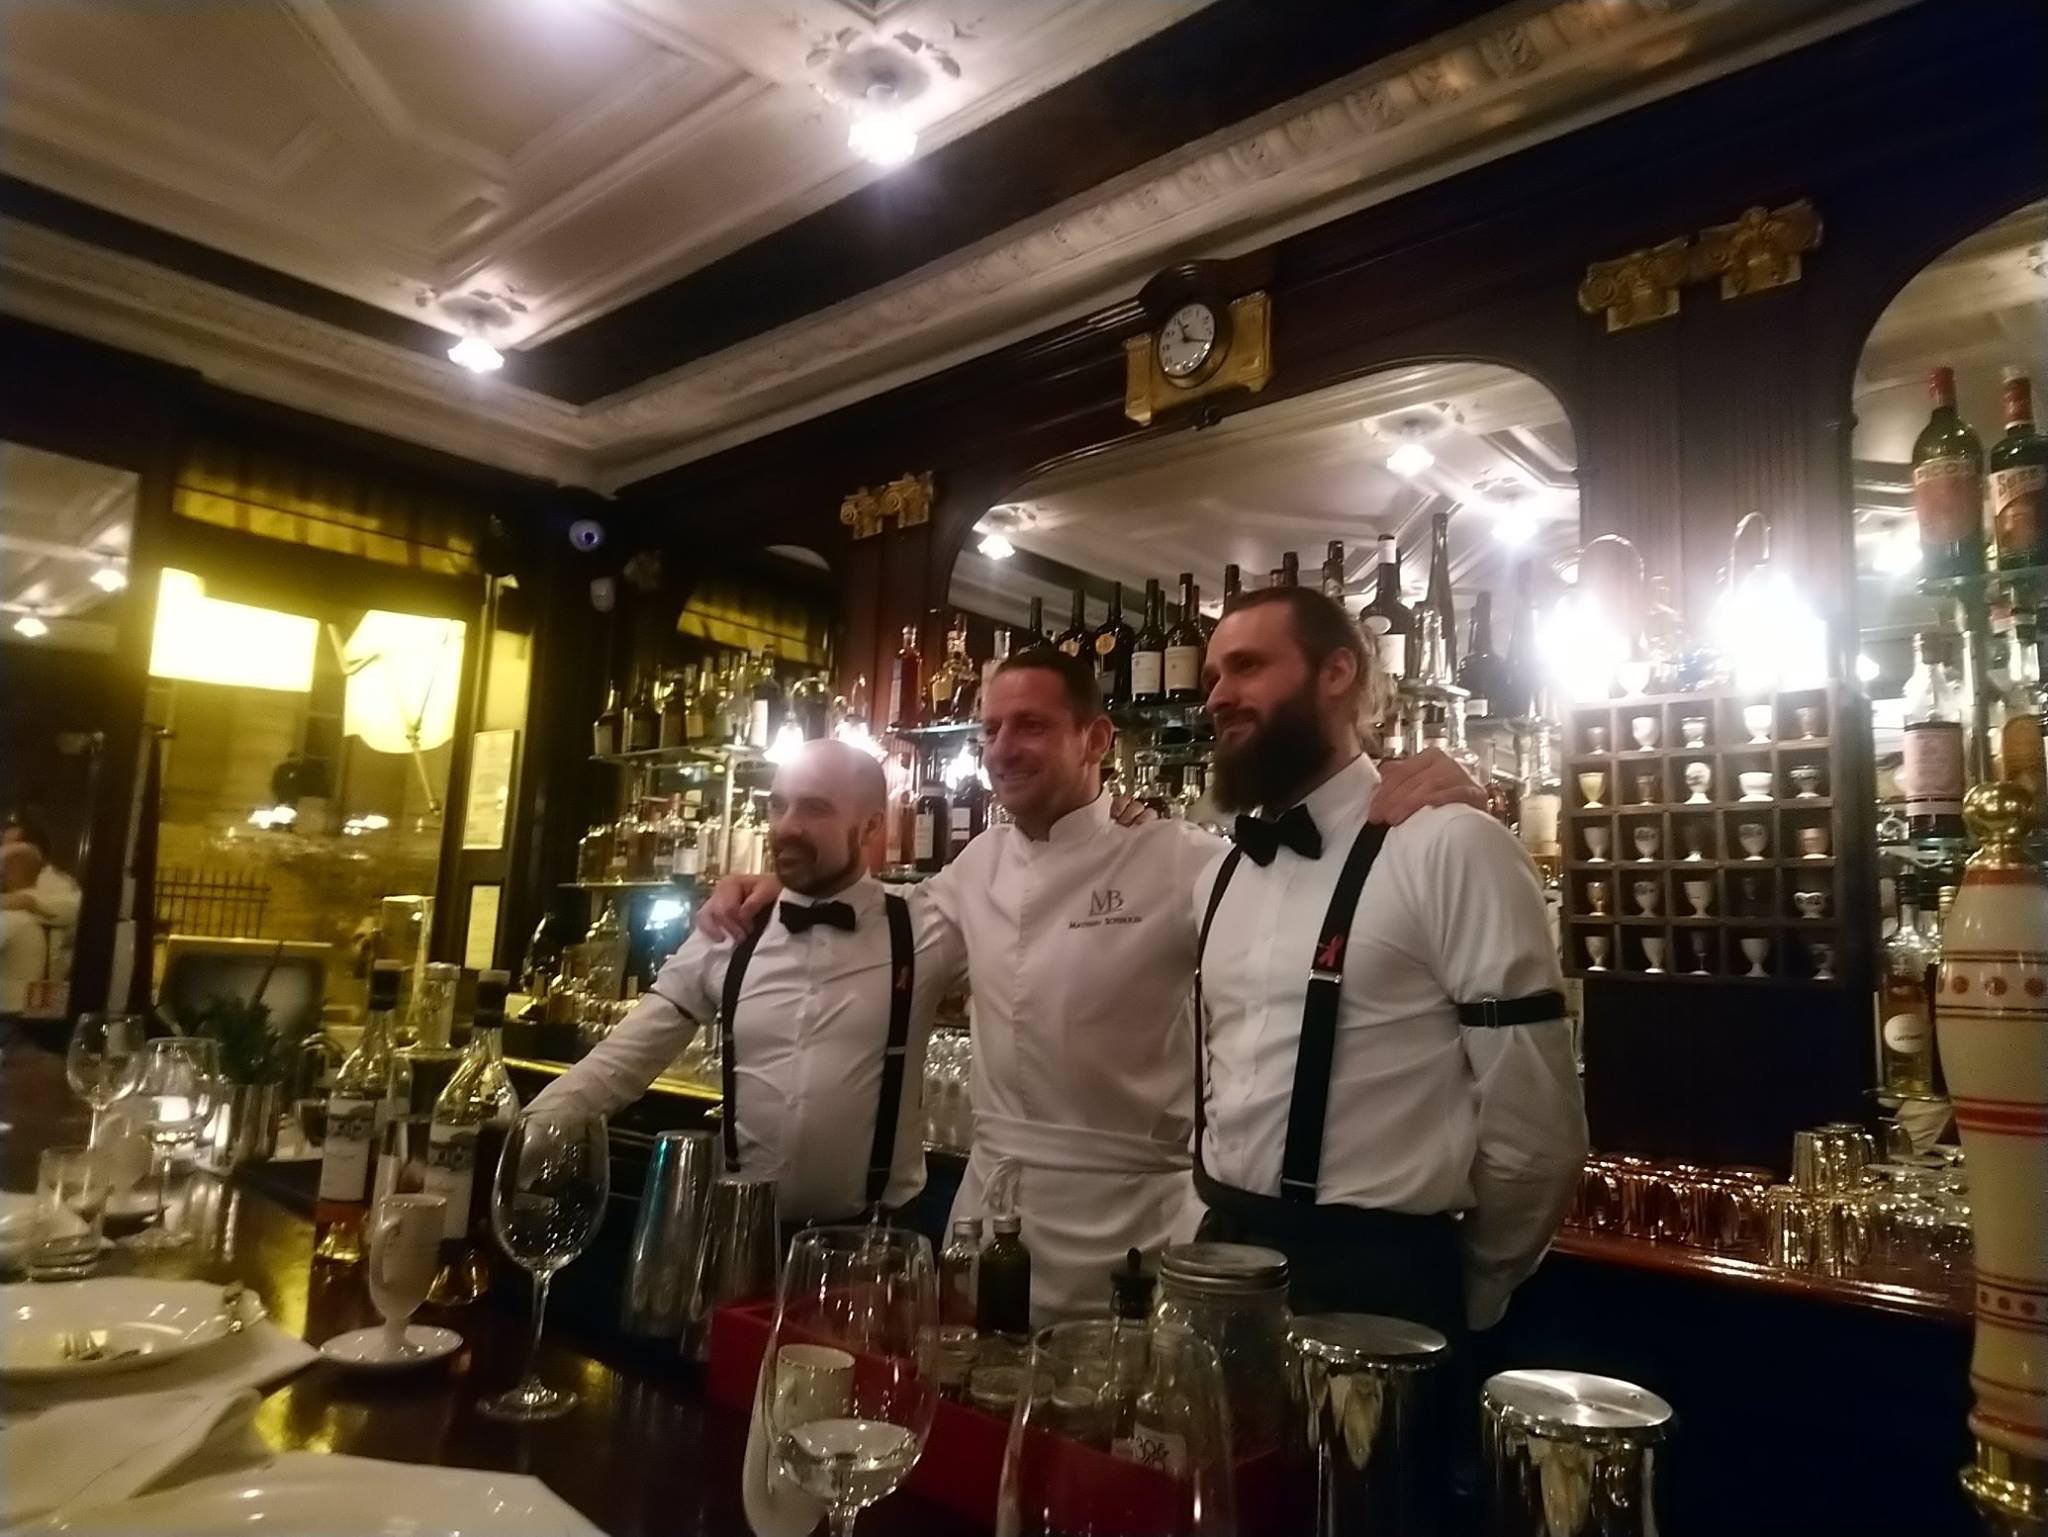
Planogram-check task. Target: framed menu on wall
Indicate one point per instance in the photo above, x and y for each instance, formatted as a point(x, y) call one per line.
point(491, 756)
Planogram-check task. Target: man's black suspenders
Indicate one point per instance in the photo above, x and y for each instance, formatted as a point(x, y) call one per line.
point(889, 1105)
point(1301, 1161)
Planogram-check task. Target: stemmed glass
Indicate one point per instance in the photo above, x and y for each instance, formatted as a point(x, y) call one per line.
point(872, 1292)
point(180, 1085)
point(547, 1203)
point(103, 1063)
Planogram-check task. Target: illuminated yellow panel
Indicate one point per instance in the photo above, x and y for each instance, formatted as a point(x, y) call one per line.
point(208, 641)
point(404, 674)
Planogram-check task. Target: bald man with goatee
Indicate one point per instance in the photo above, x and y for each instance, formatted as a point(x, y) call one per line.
point(826, 1008)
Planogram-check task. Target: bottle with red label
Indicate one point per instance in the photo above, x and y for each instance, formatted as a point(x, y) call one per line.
point(2019, 481)
point(1948, 486)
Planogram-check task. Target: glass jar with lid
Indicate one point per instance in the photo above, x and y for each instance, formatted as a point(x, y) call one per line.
point(1234, 1297)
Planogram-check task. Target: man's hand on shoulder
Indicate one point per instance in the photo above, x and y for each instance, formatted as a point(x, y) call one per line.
point(735, 906)
point(1129, 811)
point(1430, 778)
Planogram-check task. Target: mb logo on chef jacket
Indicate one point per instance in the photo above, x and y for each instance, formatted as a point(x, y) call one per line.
point(1105, 907)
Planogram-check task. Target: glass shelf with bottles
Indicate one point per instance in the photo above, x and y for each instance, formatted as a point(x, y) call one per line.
point(730, 707)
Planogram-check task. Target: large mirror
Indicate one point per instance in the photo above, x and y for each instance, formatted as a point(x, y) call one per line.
point(65, 531)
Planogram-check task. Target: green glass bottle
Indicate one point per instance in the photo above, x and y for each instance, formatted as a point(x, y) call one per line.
point(1948, 486)
point(2019, 481)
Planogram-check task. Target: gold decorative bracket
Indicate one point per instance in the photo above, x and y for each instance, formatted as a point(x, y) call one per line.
point(905, 501)
point(1637, 288)
point(1760, 251)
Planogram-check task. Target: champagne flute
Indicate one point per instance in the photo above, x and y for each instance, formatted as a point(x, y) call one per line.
point(547, 1203)
point(103, 1062)
point(180, 1085)
point(872, 1292)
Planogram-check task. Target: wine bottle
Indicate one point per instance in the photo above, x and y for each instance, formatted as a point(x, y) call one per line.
point(608, 731)
point(1182, 663)
point(1386, 618)
point(470, 1120)
point(1948, 486)
point(1148, 650)
point(1233, 585)
point(357, 1110)
point(931, 828)
point(1479, 670)
point(2019, 481)
point(1437, 596)
point(906, 684)
point(1034, 627)
point(1333, 571)
point(1073, 640)
point(764, 708)
point(999, 653)
point(1111, 646)
point(1932, 775)
point(1290, 570)
point(967, 817)
point(1906, 1030)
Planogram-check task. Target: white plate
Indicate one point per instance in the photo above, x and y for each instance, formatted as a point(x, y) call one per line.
point(135, 1322)
point(309, 1494)
point(364, 1348)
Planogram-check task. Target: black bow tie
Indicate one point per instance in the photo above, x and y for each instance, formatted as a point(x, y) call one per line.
point(801, 919)
point(1262, 839)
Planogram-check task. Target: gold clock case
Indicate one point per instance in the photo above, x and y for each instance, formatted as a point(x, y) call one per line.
point(1242, 359)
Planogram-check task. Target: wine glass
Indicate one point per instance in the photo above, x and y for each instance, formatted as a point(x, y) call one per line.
point(1154, 1395)
point(103, 1062)
point(180, 1085)
point(547, 1202)
point(871, 1292)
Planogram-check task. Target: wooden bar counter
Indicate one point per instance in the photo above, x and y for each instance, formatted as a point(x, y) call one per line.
point(642, 1452)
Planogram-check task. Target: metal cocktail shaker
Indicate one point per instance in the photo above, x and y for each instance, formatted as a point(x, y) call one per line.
point(661, 1270)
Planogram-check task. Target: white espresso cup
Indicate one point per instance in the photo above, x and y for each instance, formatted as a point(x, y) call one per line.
point(812, 1382)
point(405, 1240)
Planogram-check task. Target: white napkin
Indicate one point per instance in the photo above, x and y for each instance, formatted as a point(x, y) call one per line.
point(775, 1506)
point(104, 1449)
point(262, 1356)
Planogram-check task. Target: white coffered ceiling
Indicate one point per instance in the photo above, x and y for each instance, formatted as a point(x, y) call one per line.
point(539, 162)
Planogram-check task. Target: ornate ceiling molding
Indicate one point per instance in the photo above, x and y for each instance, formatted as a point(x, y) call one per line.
point(1520, 76)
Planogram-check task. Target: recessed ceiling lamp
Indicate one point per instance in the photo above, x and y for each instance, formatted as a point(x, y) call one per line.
point(476, 355)
point(997, 546)
point(1410, 460)
point(109, 578)
point(878, 133)
point(30, 627)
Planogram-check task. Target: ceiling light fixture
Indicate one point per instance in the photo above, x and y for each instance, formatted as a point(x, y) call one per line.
point(1410, 460)
point(1514, 527)
point(1866, 667)
point(997, 546)
point(476, 355)
point(109, 578)
point(30, 627)
point(878, 133)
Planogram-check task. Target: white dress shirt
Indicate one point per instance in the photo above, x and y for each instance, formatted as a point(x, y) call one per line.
point(24, 957)
point(1424, 1115)
point(1082, 959)
point(811, 1028)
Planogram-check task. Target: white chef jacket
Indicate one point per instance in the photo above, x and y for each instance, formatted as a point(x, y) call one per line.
point(1082, 958)
point(808, 1040)
point(1424, 1115)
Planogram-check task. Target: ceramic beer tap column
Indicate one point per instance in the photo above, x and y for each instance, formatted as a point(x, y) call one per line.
point(1992, 1020)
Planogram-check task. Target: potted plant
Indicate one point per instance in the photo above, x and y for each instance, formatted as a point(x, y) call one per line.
point(256, 1060)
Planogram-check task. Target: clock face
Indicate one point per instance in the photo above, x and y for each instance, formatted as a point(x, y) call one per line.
point(1186, 340)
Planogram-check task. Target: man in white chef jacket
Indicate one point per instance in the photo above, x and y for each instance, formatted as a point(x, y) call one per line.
point(1081, 956)
point(1388, 1090)
point(822, 1095)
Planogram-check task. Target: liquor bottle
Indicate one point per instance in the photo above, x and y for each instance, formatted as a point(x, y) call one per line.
point(716, 695)
point(999, 653)
point(739, 713)
point(1333, 571)
point(810, 705)
point(967, 817)
point(1111, 647)
point(466, 1131)
point(1130, 1350)
point(1147, 789)
point(945, 678)
point(1437, 596)
point(2024, 704)
point(1540, 803)
point(1181, 665)
point(421, 1068)
point(1905, 1014)
point(1276, 577)
point(906, 684)
point(668, 710)
point(1233, 585)
point(2019, 481)
point(1002, 1293)
point(1074, 638)
point(1932, 776)
point(1386, 618)
point(694, 700)
point(1436, 726)
point(1948, 486)
point(964, 703)
point(1523, 672)
point(896, 835)
point(743, 847)
point(1479, 670)
point(931, 827)
point(1148, 651)
point(1034, 628)
point(643, 721)
point(1290, 570)
point(764, 713)
point(1426, 649)
point(608, 731)
point(1932, 921)
point(357, 1109)
point(686, 861)
point(959, 1266)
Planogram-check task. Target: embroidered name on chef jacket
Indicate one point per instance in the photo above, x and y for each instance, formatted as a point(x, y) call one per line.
point(1105, 907)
